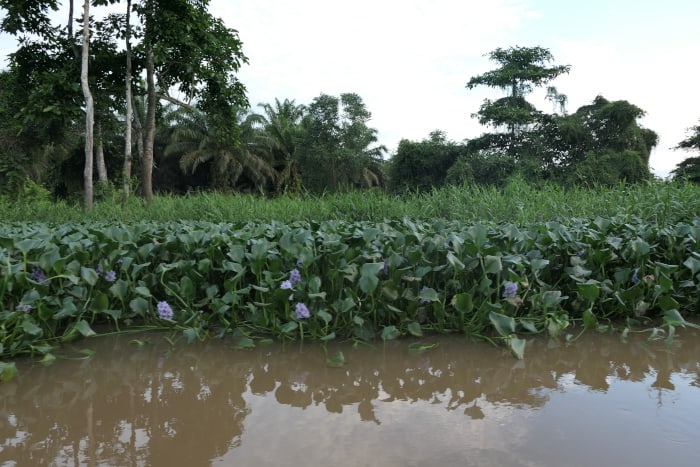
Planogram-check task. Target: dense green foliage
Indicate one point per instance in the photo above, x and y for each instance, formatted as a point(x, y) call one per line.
point(689, 169)
point(361, 279)
point(517, 202)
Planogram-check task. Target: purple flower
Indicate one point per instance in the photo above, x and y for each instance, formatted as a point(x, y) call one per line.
point(38, 275)
point(385, 268)
point(99, 270)
point(286, 285)
point(111, 276)
point(510, 289)
point(635, 278)
point(164, 310)
point(302, 311)
point(295, 277)
point(424, 300)
point(581, 252)
point(299, 263)
point(24, 307)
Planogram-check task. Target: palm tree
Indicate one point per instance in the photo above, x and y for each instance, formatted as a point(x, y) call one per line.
point(195, 142)
point(280, 127)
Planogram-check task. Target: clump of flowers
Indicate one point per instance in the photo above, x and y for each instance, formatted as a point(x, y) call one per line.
point(24, 307)
point(294, 277)
point(164, 310)
point(635, 278)
point(302, 311)
point(510, 289)
point(424, 300)
point(385, 267)
point(38, 275)
point(111, 276)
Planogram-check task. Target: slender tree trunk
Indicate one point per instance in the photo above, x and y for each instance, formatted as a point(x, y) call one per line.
point(89, 109)
point(126, 172)
point(138, 130)
point(70, 19)
point(100, 154)
point(147, 159)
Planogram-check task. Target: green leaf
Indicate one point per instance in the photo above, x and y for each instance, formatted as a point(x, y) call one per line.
point(30, 327)
point(505, 325)
point(589, 319)
point(337, 360)
point(89, 275)
point(590, 290)
point(190, 335)
point(139, 306)
point(328, 337)
point(463, 302)
point(119, 289)
point(538, 264)
point(143, 291)
point(420, 348)
point(454, 261)
point(693, 264)
point(639, 247)
point(528, 325)
point(369, 276)
point(390, 333)
point(84, 328)
point(415, 329)
point(517, 346)
point(429, 294)
point(368, 283)
point(492, 264)
point(245, 343)
point(289, 327)
point(551, 298)
point(325, 316)
point(48, 359)
point(674, 318)
point(7, 371)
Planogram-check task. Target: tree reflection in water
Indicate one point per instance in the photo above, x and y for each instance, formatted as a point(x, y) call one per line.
point(130, 405)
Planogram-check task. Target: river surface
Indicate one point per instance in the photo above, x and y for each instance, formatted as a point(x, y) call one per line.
point(595, 402)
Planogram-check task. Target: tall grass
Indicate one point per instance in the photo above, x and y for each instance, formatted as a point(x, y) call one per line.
point(519, 203)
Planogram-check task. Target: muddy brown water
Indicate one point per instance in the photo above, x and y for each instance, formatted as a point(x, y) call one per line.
point(598, 401)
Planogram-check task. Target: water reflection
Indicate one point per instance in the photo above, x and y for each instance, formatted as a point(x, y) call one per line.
point(209, 404)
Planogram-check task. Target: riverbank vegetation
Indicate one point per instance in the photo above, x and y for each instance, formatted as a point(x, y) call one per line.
point(326, 277)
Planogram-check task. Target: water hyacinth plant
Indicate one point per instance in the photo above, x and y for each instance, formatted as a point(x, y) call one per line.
point(358, 280)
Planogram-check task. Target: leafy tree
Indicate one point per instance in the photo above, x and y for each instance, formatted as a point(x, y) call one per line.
point(600, 143)
point(521, 70)
point(195, 142)
point(336, 150)
point(280, 132)
point(424, 165)
point(188, 49)
point(689, 168)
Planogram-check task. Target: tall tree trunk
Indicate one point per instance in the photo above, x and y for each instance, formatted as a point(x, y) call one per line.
point(100, 154)
point(89, 109)
point(147, 159)
point(126, 172)
point(138, 129)
point(70, 19)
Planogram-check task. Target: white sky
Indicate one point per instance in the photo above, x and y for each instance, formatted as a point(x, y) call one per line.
point(410, 59)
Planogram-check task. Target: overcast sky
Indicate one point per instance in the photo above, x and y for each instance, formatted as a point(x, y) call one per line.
point(410, 59)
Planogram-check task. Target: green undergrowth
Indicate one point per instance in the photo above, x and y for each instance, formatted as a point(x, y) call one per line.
point(331, 279)
point(519, 203)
